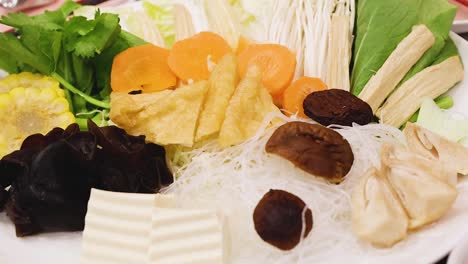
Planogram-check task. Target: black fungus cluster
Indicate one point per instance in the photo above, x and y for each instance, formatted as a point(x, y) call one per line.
point(45, 186)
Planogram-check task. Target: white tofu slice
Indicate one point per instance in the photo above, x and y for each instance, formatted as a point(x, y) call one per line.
point(118, 225)
point(187, 236)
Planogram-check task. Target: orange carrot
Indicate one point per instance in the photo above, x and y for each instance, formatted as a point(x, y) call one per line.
point(188, 58)
point(276, 62)
point(242, 44)
point(278, 100)
point(142, 68)
point(294, 95)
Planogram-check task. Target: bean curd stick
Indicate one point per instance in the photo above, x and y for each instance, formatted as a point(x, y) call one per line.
point(431, 82)
point(400, 61)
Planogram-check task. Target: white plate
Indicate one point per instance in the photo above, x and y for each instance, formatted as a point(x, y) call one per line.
point(438, 239)
point(460, 26)
point(459, 254)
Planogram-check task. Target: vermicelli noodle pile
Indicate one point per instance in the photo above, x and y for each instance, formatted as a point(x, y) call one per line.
point(233, 180)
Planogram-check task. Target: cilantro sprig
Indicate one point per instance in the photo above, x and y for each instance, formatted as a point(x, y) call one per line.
point(75, 51)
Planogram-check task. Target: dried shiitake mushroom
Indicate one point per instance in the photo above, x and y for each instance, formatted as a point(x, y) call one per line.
point(278, 219)
point(314, 148)
point(338, 107)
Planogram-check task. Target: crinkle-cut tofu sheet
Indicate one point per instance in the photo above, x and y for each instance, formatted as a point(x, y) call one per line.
point(186, 236)
point(118, 226)
point(127, 228)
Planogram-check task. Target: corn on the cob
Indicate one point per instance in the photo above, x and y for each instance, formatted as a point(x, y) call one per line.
point(28, 80)
point(27, 111)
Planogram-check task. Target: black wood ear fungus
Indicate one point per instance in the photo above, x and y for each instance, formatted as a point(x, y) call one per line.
point(51, 176)
point(337, 107)
point(316, 149)
point(278, 219)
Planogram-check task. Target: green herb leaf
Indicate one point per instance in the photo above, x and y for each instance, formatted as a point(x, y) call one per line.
point(77, 52)
point(103, 62)
point(84, 74)
point(105, 30)
point(46, 44)
point(75, 28)
point(12, 45)
point(49, 20)
point(8, 62)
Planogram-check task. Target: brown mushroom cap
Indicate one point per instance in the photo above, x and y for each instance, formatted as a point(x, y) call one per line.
point(338, 107)
point(315, 149)
point(278, 219)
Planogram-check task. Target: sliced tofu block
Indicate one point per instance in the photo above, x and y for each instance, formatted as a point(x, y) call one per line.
point(118, 225)
point(186, 236)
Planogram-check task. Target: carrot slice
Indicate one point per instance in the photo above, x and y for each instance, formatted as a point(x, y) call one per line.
point(276, 62)
point(278, 99)
point(188, 58)
point(142, 68)
point(243, 44)
point(294, 95)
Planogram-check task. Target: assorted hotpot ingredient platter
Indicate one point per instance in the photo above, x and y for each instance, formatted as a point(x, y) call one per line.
point(196, 131)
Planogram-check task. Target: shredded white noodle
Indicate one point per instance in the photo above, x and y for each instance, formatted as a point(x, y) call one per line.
point(234, 180)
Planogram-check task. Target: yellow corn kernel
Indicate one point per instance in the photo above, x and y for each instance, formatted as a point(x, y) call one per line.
point(32, 92)
point(64, 120)
point(5, 101)
point(48, 95)
point(27, 111)
point(28, 80)
point(58, 105)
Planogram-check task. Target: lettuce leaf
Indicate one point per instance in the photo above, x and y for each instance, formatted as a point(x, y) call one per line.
point(254, 17)
point(438, 16)
point(161, 12)
point(449, 50)
point(381, 25)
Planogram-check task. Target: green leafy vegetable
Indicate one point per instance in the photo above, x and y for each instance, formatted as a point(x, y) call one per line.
point(133, 18)
point(77, 52)
point(449, 50)
point(442, 123)
point(443, 102)
point(88, 38)
point(49, 20)
point(381, 25)
point(8, 63)
point(161, 12)
point(438, 16)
